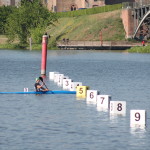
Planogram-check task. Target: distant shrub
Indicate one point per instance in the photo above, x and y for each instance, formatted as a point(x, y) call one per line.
point(89, 11)
point(144, 49)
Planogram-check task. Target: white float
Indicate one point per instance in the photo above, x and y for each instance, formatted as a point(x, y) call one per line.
point(74, 85)
point(137, 118)
point(66, 77)
point(67, 84)
point(26, 90)
point(56, 77)
point(60, 80)
point(117, 107)
point(91, 96)
point(51, 75)
point(103, 101)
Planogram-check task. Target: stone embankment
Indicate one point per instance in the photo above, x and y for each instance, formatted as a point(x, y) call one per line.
point(96, 45)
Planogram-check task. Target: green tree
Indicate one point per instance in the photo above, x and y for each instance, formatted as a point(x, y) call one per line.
point(29, 16)
point(5, 11)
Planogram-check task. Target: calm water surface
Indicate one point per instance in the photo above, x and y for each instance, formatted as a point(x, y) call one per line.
point(60, 122)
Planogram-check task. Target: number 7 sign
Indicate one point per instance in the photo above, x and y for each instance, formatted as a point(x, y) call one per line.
point(103, 101)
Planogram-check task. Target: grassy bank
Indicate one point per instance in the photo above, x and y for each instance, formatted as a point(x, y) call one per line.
point(144, 49)
point(84, 28)
point(88, 27)
point(90, 11)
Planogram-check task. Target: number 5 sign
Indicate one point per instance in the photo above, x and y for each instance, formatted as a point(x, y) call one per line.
point(81, 91)
point(137, 118)
point(118, 107)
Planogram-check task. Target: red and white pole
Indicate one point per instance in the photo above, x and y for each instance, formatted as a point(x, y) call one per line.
point(44, 54)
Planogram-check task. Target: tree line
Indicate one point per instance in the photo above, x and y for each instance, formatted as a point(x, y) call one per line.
point(30, 19)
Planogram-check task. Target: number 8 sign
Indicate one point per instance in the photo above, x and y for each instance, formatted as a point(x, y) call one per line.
point(118, 107)
point(137, 118)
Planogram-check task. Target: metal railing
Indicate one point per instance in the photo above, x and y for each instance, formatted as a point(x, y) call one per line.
point(96, 43)
point(137, 4)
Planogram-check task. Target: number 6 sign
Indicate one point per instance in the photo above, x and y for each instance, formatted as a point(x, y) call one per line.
point(91, 96)
point(137, 118)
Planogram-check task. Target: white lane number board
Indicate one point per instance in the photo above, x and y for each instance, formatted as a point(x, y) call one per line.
point(103, 101)
point(51, 75)
point(74, 85)
point(60, 79)
point(66, 84)
point(118, 107)
point(26, 90)
point(137, 118)
point(91, 96)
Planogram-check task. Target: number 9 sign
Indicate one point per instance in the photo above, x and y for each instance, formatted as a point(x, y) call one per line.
point(137, 118)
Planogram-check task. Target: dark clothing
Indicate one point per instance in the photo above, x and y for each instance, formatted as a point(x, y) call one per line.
point(38, 89)
point(35, 85)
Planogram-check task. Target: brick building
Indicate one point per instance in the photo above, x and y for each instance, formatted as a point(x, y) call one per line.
point(70, 5)
point(9, 2)
point(110, 2)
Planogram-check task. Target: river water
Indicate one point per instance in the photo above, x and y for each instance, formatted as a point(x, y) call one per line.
point(61, 122)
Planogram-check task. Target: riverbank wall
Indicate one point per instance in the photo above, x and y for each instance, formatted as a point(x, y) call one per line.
point(96, 45)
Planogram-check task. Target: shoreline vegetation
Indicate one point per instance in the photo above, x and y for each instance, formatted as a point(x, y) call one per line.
point(144, 49)
point(140, 49)
point(81, 28)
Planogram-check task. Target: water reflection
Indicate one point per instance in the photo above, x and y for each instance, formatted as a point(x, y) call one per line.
point(90, 102)
point(114, 118)
point(138, 132)
point(102, 109)
point(82, 99)
point(52, 121)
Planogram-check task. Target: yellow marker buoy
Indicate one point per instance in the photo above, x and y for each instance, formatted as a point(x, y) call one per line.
point(81, 91)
